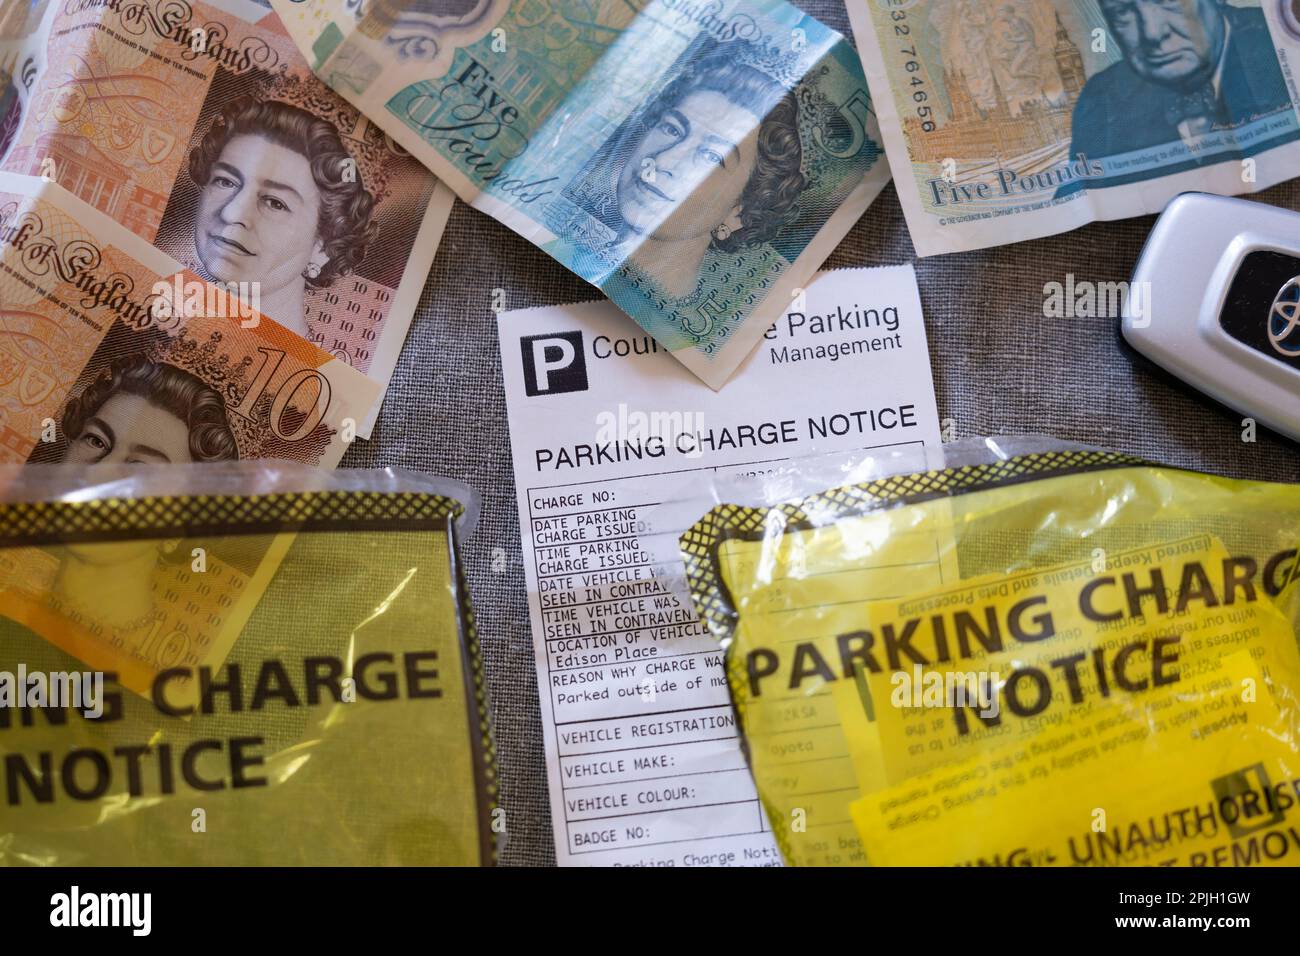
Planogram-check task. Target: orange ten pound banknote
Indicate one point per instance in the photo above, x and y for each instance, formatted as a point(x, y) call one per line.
point(200, 128)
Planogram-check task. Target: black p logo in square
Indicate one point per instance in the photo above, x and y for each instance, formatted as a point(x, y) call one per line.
point(554, 363)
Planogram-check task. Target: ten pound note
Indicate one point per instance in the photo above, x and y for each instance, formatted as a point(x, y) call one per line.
point(198, 127)
point(696, 161)
point(111, 353)
point(1008, 121)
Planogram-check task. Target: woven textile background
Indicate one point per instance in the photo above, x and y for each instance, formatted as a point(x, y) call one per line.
point(999, 368)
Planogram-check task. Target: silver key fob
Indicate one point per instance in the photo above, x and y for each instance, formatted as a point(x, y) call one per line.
point(1215, 300)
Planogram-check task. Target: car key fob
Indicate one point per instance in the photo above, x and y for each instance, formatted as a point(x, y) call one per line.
point(1215, 300)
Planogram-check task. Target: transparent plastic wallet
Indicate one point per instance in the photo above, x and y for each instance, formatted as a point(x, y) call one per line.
point(239, 663)
point(1010, 653)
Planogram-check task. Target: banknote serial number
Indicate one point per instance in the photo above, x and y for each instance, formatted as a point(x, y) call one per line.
point(912, 64)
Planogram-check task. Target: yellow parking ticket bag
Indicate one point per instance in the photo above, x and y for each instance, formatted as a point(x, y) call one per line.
point(1205, 776)
point(1009, 656)
point(881, 631)
point(246, 663)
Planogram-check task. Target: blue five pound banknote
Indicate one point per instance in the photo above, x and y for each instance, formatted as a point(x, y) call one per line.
point(695, 159)
point(1007, 120)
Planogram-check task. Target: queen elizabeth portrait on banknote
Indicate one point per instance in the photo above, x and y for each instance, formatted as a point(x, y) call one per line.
point(136, 411)
point(281, 205)
point(141, 411)
point(712, 164)
point(109, 587)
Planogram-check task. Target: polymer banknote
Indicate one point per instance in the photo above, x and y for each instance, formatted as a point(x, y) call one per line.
point(113, 352)
point(199, 127)
point(695, 161)
point(1015, 119)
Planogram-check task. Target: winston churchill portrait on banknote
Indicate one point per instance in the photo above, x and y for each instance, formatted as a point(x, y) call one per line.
point(1015, 119)
point(1135, 89)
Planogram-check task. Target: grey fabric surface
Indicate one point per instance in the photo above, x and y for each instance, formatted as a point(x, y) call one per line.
point(1000, 367)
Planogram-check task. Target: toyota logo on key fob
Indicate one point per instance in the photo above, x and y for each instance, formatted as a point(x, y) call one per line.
point(1284, 320)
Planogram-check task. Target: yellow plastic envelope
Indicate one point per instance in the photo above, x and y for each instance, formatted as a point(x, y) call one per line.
point(883, 633)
